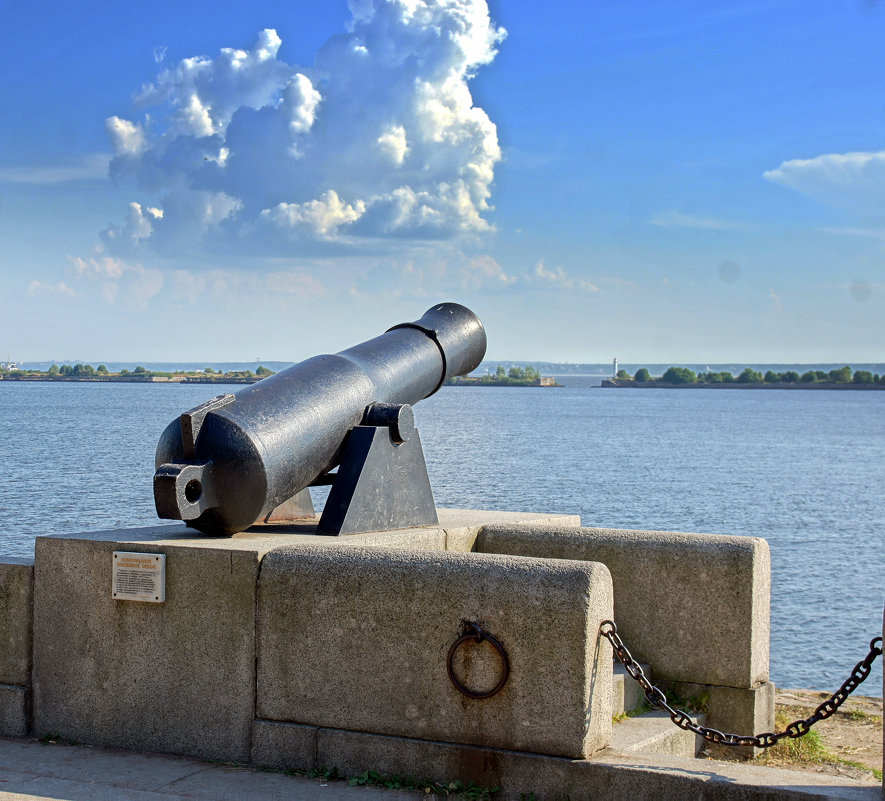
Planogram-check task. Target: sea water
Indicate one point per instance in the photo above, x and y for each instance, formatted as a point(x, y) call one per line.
point(804, 470)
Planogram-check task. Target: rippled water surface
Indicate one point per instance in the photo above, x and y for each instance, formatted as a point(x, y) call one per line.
point(805, 470)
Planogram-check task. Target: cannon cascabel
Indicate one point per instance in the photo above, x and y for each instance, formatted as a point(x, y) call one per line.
point(228, 463)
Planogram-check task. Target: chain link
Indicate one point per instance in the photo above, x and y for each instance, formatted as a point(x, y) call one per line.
point(682, 719)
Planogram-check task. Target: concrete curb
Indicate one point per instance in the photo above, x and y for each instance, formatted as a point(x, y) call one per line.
point(33, 771)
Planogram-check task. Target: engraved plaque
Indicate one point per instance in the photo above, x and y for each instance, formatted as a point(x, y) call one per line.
point(139, 577)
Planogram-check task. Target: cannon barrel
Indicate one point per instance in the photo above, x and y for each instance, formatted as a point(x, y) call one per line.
point(230, 462)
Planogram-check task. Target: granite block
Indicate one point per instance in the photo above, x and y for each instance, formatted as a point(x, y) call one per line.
point(357, 638)
point(693, 606)
point(462, 526)
point(176, 676)
point(16, 612)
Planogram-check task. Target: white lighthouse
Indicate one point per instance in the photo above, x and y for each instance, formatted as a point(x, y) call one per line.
point(615, 367)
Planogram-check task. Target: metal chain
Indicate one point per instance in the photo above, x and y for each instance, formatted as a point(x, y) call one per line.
point(682, 719)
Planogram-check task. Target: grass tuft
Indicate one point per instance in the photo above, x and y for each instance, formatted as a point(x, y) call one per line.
point(810, 748)
point(861, 716)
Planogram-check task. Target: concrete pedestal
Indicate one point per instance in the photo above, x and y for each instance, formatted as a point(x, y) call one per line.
point(283, 648)
point(177, 676)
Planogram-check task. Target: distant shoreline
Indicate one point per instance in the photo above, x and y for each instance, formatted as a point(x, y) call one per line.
point(486, 381)
point(627, 383)
point(130, 379)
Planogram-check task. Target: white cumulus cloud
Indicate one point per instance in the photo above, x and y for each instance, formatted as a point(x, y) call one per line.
point(43, 288)
point(484, 272)
point(138, 225)
point(855, 181)
point(127, 138)
point(117, 280)
point(557, 277)
point(321, 218)
point(302, 99)
point(204, 93)
point(393, 143)
point(105, 267)
point(433, 275)
point(378, 139)
point(293, 283)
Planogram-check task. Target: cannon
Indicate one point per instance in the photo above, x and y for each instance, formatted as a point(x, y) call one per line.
point(239, 459)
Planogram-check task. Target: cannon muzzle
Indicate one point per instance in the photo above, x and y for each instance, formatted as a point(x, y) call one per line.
point(228, 463)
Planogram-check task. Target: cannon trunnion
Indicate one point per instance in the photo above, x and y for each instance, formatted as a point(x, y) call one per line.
point(232, 461)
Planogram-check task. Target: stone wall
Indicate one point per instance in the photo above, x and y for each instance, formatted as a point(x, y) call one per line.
point(693, 606)
point(16, 594)
point(278, 647)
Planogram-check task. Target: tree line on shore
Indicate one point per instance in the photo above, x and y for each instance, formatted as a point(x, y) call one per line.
point(514, 373)
point(682, 375)
point(515, 376)
point(87, 371)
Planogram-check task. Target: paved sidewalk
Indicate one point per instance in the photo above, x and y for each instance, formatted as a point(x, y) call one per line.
point(34, 771)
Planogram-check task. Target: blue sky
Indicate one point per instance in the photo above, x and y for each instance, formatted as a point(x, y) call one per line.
point(661, 182)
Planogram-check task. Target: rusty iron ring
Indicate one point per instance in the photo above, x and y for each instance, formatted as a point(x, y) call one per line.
point(478, 635)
